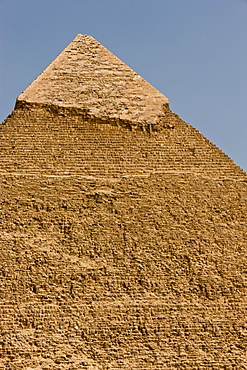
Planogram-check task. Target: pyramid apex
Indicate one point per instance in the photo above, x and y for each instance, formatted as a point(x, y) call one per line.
point(81, 36)
point(88, 76)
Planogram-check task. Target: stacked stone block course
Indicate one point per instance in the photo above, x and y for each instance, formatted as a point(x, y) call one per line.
point(119, 274)
point(58, 141)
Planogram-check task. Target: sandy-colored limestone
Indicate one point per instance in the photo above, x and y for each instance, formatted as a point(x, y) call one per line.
point(88, 76)
point(122, 228)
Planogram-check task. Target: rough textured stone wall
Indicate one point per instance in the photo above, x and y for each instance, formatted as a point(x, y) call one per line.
point(62, 141)
point(123, 274)
point(121, 248)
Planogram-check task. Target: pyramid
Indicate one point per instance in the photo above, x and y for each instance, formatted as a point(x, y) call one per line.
point(122, 228)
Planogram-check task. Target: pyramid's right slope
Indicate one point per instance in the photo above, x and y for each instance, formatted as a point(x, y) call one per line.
point(123, 236)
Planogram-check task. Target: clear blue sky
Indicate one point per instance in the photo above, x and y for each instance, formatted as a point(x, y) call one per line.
point(193, 51)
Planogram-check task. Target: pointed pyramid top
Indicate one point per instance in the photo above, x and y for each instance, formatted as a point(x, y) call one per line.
point(88, 76)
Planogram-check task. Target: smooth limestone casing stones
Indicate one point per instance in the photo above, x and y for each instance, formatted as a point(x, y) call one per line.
point(86, 75)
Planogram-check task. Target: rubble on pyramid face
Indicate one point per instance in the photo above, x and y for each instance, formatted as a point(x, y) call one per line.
point(88, 76)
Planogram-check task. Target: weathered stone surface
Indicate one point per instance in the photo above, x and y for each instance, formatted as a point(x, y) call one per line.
point(123, 241)
point(88, 76)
